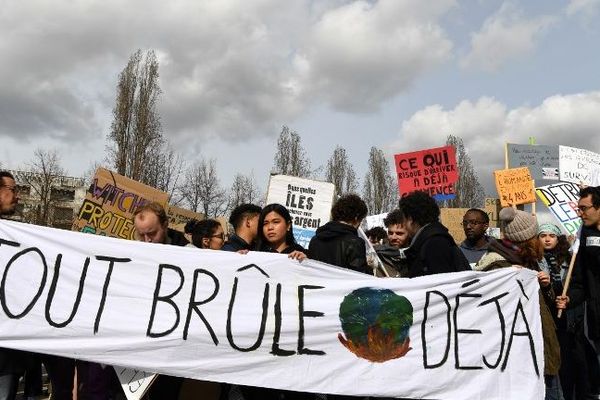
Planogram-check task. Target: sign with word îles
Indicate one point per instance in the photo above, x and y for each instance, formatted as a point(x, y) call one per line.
point(308, 201)
point(514, 186)
point(110, 202)
point(432, 171)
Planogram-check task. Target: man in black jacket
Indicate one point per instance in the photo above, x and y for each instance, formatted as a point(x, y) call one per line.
point(244, 219)
point(585, 285)
point(337, 242)
point(432, 250)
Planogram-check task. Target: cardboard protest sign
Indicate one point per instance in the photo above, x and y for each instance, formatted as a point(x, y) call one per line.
point(579, 166)
point(561, 198)
point(135, 383)
point(432, 171)
point(542, 160)
point(110, 202)
point(492, 209)
point(262, 319)
point(514, 186)
point(452, 219)
point(308, 201)
point(178, 217)
point(375, 220)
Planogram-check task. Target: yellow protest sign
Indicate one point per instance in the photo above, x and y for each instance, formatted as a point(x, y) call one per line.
point(514, 186)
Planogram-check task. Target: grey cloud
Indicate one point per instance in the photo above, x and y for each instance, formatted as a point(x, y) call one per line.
point(230, 68)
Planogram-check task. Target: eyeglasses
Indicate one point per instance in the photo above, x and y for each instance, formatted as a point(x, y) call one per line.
point(582, 209)
point(472, 223)
point(220, 236)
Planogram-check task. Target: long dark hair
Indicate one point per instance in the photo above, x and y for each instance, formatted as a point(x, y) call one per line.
point(203, 229)
point(262, 244)
point(561, 250)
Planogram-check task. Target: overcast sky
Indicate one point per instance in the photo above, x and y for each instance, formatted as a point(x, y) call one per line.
point(397, 74)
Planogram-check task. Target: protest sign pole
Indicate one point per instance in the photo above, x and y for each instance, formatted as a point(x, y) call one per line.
point(535, 201)
point(372, 254)
point(506, 166)
point(568, 279)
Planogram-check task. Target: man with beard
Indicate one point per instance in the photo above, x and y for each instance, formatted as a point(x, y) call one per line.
point(393, 259)
point(475, 224)
point(12, 362)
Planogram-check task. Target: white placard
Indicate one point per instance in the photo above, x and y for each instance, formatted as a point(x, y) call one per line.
point(135, 383)
point(561, 198)
point(309, 203)
point(579, 166)
point(375, 220)
point(262, 319)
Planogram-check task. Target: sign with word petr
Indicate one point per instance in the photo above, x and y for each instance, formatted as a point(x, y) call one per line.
point(262, 319)
point(308, 201)
point(561, 198)
point(514, 186)
point(432, 171)
point(110, 202)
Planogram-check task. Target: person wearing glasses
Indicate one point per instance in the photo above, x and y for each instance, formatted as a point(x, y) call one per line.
point(585, 284)
point(208, 234)
point(475, 224)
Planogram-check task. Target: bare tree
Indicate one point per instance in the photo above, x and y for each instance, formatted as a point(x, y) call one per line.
point(291, 158)
point(164, 171)
point(244, 190)
point(202, 190)
point(136, 137)
point(469, 192)
point(42, 174)
point(340, 172)
point(379, 188)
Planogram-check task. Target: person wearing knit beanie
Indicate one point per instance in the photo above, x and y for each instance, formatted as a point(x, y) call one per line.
point(517, 225)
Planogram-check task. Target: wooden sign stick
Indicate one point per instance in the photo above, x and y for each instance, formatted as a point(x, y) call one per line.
point(568, 279)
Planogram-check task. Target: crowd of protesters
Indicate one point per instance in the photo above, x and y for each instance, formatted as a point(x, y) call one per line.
point(414, 243)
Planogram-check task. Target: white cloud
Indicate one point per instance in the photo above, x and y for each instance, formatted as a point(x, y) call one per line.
point(486, 125)
point(583, 7)
point(505, 36)
point(363, 53)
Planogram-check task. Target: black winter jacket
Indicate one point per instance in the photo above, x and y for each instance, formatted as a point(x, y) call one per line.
point(434, 251)
point(338, 244)
point(585, 284)
point(236, 243)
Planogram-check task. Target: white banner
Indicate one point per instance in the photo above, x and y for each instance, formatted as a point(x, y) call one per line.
point(262, 319)
point(309, 203)
point(579, 166)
